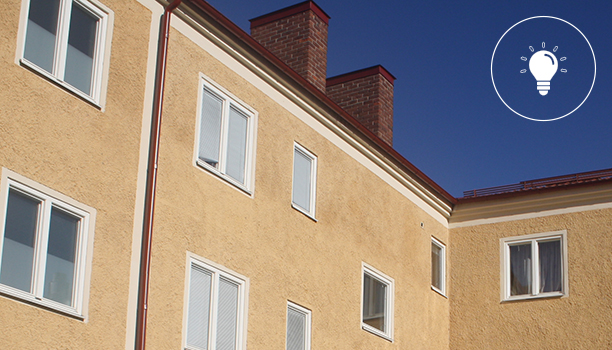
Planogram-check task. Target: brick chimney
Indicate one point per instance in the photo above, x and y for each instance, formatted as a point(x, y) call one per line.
point(367, 95)
point(298, 36)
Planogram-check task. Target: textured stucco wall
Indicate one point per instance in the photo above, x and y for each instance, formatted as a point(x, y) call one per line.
point(286, 255)
point(580, 321)
point(55, 138)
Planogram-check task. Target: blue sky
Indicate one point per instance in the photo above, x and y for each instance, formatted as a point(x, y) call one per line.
point(449, 120)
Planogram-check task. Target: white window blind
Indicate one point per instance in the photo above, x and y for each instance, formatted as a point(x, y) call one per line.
point(225, 140)
point(227, 318)
point(199, 307)
point(304, 180)
point(236, 144)
point(214, 309)
point(210, 128)
point(298, 327)
point(438, 266)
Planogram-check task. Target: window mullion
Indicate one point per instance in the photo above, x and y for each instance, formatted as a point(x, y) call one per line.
point(508, 271)
point(224, 139)
point(98, 45)
point(212, 324)
point(79, 275)
point(535, 268)
point(61, 48)
point(42, 240)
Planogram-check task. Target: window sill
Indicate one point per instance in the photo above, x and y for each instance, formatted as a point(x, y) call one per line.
point(28, 298)
point(439, 292)
point(64, 85)
point(366, 327)
point(303, 211)
point(529, 297)
point(203, 165)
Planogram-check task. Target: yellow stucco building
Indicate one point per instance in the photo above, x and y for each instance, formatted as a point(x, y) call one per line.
point(173, 182)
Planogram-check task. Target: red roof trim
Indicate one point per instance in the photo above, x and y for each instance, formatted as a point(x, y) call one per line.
point(366, 72)
point(290, 11)
point(253, 44)
point(507, 195)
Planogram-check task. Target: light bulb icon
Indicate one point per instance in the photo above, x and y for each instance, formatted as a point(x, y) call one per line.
point(543, 65)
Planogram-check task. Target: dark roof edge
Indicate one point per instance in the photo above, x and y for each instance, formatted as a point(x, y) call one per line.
point(361, 73)
point(535, 191)
point(290, 11)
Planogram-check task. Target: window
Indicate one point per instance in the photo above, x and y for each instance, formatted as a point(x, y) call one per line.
point(225, 144)
point(44, 245)
point(304, 180)
point(534, 266)
point(377, 302)
point(438, 266)
point(216, 307)
point(298, 327)
point(64, 40)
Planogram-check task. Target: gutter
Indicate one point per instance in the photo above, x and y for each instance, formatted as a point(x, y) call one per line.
point(147, 231)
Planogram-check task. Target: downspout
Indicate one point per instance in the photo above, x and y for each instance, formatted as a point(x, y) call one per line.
point(147, 230)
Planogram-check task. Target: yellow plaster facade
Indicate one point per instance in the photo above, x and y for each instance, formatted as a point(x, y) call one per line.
point(54, 138)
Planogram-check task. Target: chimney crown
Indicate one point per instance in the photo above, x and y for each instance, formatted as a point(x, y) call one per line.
point(367, 95)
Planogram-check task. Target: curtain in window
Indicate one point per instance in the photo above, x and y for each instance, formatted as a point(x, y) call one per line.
point(296, 324)
point(436, 276)
point(198, 314)
point(550, 266)
point(520, 269)
point(236, 144)
point(210, 128)
point(301, 179)
point(374, 300)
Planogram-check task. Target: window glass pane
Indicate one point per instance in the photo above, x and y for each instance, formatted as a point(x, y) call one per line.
point(550, 266)
point(210, 129)
point(227, 315)
point(436, 266)
point(296, 326)
point(520, 269)
point(41, 33)
point(19, 239)
point(81, 48)
point(301, 179)
point(198, 314)
point(374, 299)
point(61, 256)
point(236, 144)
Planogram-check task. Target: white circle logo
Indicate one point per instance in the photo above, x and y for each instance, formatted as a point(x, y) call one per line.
point(542, 67)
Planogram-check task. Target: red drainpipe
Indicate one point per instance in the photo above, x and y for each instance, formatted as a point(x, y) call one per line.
point(147, 231)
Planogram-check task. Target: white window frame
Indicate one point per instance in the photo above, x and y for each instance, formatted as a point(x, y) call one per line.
point(310, 212)
point(84, 246)
point(99, 79)
point(439, 244)
point(389, 305)
point(505, 282)
point(228, 100)
point(217, 272)
point(308, 322)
